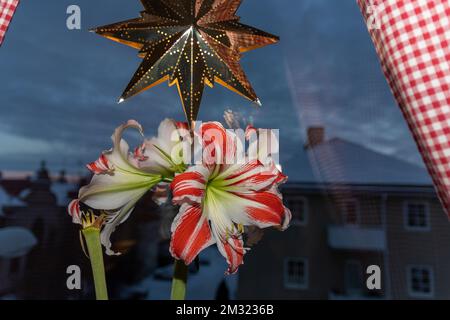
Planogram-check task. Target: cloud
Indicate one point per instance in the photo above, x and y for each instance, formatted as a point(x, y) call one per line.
point(59, 87)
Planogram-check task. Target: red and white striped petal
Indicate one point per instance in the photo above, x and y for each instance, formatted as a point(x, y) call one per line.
point(249, 177)
point(271, 167)
point(287, 215)
point(139, 153)
point(232, 248)
point(219, 144)
point(182, 125)
point(266, 209)
point(74, 211)
point(101, 166)
point(190, 233)
point(250, 131)
point(190, 186)
point(228, 205)
point(262, 209)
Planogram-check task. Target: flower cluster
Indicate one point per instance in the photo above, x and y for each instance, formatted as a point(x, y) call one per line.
point(219, 199)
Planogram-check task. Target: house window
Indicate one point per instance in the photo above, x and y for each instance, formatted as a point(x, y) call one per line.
point(416, 216)
point(420, 281)
point(299, 210)
point(296, 273)
point(350, 212)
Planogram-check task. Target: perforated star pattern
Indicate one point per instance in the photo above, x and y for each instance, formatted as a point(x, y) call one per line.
point(189, 43)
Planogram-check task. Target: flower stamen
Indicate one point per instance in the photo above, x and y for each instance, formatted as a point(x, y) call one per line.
point(90, 219)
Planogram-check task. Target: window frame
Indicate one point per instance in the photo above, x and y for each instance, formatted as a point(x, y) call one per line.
point(411, 292)
point(406, 225)
point(297, 222)
point(291, 285)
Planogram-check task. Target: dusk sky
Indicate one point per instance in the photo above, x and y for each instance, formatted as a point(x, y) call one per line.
point(59, 87)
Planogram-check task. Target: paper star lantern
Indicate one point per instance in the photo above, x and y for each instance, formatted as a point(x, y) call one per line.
point(189, 43)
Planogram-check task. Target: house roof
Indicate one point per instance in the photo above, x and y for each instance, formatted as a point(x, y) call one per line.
point(338, 161)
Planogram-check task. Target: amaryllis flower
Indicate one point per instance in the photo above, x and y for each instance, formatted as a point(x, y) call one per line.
point(218, 200)
point(122, 177)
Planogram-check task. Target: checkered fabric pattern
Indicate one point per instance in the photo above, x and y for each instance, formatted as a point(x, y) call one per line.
point(412, 39)
point(7, 9)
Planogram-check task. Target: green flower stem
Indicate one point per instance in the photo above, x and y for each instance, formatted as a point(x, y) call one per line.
point(92, 237)
point(179, 281)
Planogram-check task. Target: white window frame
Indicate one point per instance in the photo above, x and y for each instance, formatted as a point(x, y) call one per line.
point(296, 286)
point(414, 294)
point(343, 208)
point(406, 216)
point(296, 222)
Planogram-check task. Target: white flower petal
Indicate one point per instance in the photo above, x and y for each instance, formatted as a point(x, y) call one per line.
point(119, 156)
point(113, 220)
point(112, 191)
point(165, 153)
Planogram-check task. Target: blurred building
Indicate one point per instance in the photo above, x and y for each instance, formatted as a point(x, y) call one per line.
point(33, 212)
point(352, 207)
point(38, 204)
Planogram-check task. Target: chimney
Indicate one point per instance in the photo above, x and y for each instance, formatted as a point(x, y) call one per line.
point(316, 136)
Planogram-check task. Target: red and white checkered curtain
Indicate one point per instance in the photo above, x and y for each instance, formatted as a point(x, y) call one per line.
point(7, 9)
point(412, 39)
